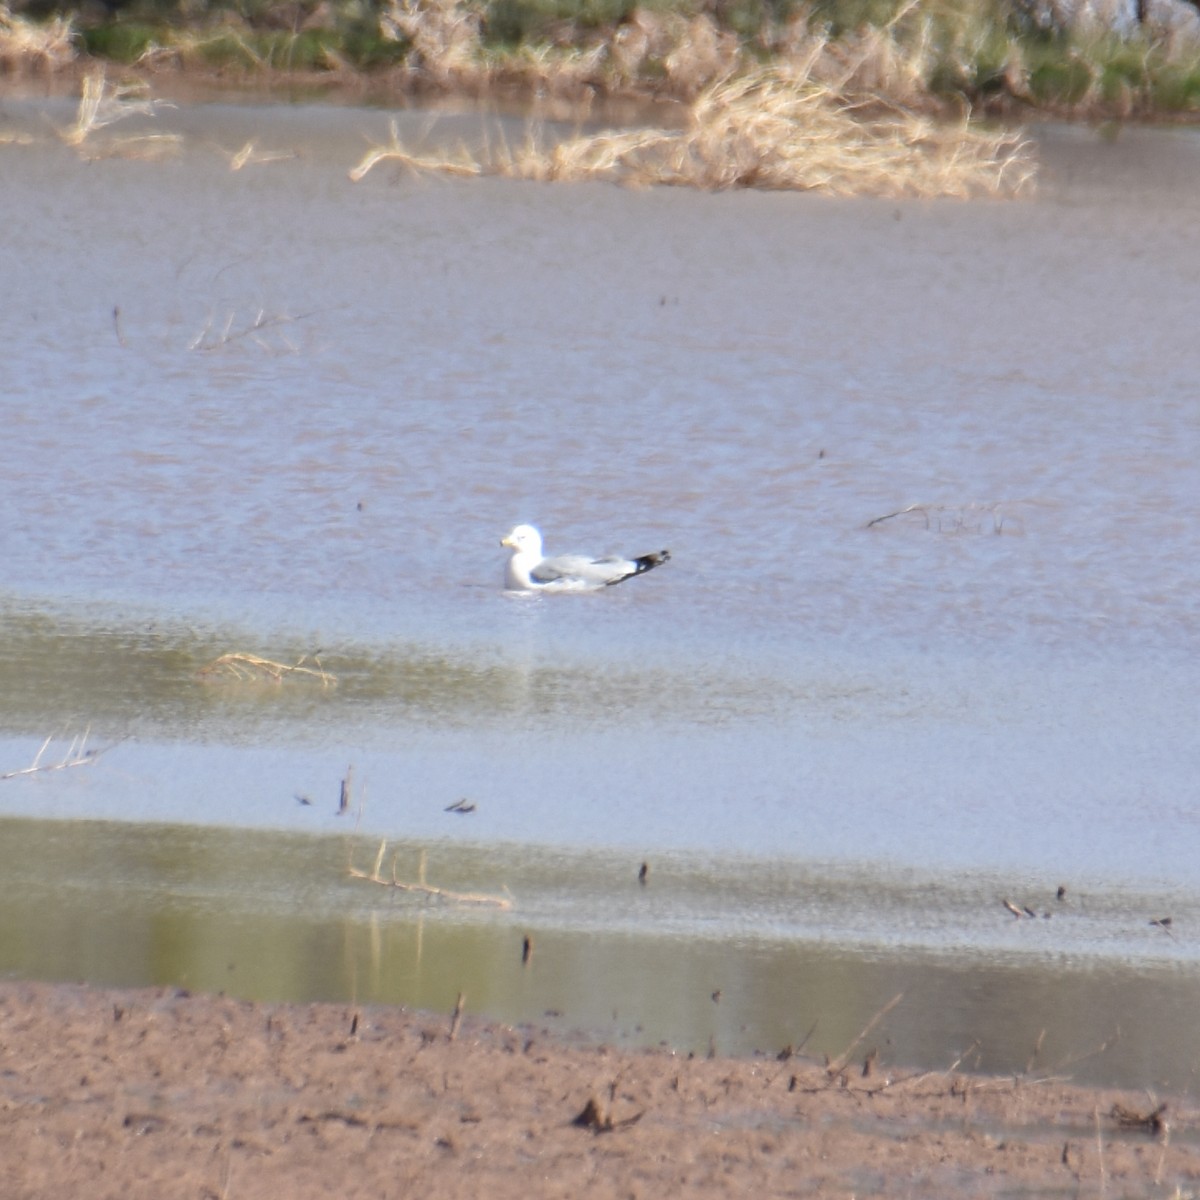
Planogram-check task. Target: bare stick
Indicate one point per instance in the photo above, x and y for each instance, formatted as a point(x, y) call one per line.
point(1074, 1060)
point(247, 667)
point(839, 1062)
point(249, 155)
point(456, 1015)
point(805, 1039)
point(949, 1070)
point(228, 336)
point(1037, 1050)
point(77, 755)
point(482, 899)
point(902, 512)
point(379, 859)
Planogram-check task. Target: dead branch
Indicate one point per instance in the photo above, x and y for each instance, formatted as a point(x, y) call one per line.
point(1152, 1122)
point(77, 755)
point(249, 156)
point(839, 1063)
point(456, 1015)
point(395, 151)
point(421, 887)
point(206, 340)
point(102, 103)
point(244, 668)
point(959, 518)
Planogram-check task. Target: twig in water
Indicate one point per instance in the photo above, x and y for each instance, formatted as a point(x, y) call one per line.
point(839, 1063)
point(949, 1070)
point(807, 1037)
point(1100, 1149)
point(456, 1015)
point(1037, 1051)
point(77, 755)
point(375, 875)
point(1154, 1122)
point(248, 156)
point(903, 512)
point(957, 518)
point(101, 104)
point(249, 667)
point(1059, 1067)
point(394, 151)
point(205, 340)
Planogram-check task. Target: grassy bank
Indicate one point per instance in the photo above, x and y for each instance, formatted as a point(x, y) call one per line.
point(840, 96)
point(995, 56)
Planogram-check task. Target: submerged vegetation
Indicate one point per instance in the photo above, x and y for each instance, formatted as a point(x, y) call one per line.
point(766, 129)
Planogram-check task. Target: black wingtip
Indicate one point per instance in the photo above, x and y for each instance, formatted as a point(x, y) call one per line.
point(643, 564)
point(648, 561)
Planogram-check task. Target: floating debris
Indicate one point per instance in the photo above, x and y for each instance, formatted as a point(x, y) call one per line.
point(597, 1117)
point(1152, 1122)
point(77, 755)
point(456, 1015)
point(420, 886)
point(252, 668)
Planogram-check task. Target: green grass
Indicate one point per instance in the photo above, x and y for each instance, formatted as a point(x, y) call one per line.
point(122, 42)
point(981, 52)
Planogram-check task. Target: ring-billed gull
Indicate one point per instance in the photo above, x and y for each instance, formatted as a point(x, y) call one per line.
point(527, 570)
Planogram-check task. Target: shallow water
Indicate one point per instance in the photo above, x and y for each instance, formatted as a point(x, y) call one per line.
point(749, 956)
point(274, 411)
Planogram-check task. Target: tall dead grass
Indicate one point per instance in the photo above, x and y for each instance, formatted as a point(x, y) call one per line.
point(777, 128)
point(28, 45)
point(444, 35)
point(682, 54)
point(674, 54)
point(102, 104)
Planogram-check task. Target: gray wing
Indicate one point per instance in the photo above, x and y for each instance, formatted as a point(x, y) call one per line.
point(593, 572)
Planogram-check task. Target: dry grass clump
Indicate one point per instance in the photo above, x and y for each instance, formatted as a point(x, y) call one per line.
point(682, 54)
point(688, 54)
point(896, 60)
point(102, 104)
point(444, 35)
point(447, 52)
point(241, 667)
point(775, 128)
point(26, 45)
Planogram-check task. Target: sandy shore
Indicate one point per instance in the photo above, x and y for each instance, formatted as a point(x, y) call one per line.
point(164, 1094)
